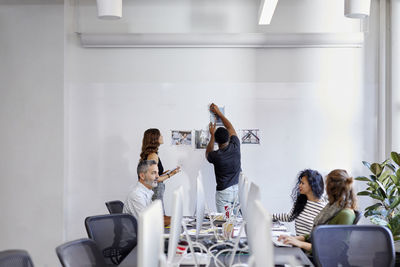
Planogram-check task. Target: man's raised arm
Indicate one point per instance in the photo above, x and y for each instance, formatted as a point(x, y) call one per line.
point(210, 146)
point(228, 125)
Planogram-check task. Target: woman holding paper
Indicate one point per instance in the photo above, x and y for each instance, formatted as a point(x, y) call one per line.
point(152, 139)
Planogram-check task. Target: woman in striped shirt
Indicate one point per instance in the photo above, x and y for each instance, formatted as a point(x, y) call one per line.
point(308, 202)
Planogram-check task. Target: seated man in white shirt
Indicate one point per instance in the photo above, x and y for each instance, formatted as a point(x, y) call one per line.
point(140, 196)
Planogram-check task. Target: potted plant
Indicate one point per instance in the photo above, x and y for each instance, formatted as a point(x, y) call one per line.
point(383, 185)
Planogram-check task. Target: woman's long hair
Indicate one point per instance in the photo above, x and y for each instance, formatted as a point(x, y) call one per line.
point(339, 187)
point(316, 183)
point(150, 143)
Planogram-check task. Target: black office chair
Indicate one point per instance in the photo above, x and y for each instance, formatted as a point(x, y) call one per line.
point(15, 258)
point(352, 245)
point(81, 252)
point(114, 234)
point(358, 214)
point(115, 206)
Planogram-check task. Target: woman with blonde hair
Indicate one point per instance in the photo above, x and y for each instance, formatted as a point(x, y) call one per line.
point(342, 202)
point(152, 139)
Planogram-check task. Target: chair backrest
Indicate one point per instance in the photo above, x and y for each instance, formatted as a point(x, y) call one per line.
point(352, 245)
point(114, 234)
point(15, 258)
point(115, 206)
point(358, 214)
point(81, 252)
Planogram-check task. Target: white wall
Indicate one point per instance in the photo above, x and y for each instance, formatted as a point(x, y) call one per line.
point(31, 123)
point(315, 106)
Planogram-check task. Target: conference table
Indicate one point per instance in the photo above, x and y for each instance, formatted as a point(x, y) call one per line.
point(282, 256)
point(289, 256)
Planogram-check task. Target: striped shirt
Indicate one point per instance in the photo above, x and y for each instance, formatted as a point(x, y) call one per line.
point(305, 220)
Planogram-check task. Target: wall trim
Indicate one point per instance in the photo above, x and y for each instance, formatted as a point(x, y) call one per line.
point(227, 40)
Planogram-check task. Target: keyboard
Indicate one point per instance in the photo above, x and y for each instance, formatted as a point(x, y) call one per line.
point(279, 243)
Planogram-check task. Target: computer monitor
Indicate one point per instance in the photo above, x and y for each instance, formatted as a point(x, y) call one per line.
point(243, 193)
point(200, 205)
point(259, 234)
point(176, 223)
point(241, 179)
point(252, 194)
point(150, 235)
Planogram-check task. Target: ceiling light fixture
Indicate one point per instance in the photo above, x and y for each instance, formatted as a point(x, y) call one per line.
point(109, 9)
point(267, 9)
point(357, 9)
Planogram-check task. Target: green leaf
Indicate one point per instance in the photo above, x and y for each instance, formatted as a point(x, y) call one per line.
point(366, 164)
point(373, 185)
point(379, 221)
point(383, 189)
point(373, 207)
point(391, 166)
point(395, 179)
point(362, 178)
point(395, 157)
point(384, 175)
point(363, 193)
point(386, 183)
point(373, 212)
point(395, 203)
point(392, 191)
point(377, 197)
point(376, 169)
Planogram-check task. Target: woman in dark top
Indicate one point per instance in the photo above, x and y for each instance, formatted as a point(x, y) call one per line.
point(152, 139)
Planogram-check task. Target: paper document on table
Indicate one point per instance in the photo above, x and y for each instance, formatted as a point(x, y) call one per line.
point(202, 232)
point(279, 228)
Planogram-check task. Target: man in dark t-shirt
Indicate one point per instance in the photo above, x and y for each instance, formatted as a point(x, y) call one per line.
point(226, 161)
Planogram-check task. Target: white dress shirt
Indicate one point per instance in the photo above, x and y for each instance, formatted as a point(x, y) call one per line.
point(138, 199)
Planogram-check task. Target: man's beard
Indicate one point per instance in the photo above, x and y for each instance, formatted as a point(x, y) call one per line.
point(151, 183)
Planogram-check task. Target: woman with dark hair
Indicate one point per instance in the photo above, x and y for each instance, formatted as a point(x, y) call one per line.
point(339, 210)
point(307, 199)
point(152, 139)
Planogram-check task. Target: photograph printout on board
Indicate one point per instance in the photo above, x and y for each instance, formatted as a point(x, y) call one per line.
point(215, 119)
point(251, 136)
point(181, 137)
point(202, 137)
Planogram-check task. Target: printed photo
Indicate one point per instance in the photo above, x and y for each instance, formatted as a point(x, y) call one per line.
point(251, 136)
point(215, 119)
point(181, 137)
point(201, 138)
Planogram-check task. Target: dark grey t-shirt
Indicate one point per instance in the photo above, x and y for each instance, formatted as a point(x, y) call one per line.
point(226, 164)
